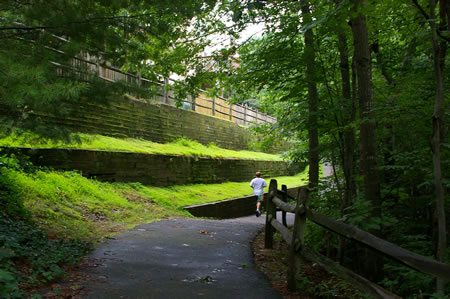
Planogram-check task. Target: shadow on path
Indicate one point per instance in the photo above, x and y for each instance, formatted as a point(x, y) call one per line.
point(181, 258)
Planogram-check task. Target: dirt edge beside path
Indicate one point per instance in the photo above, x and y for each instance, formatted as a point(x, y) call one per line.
point(313, 281)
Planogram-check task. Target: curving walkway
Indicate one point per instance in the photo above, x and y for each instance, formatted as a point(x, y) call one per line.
point(181, 258)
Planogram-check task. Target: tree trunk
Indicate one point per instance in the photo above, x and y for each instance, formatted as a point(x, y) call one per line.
point(313, 98)
point(368, 146)
point(349, 117)
point(388, 177)
point(438, 115)
point(349, 134)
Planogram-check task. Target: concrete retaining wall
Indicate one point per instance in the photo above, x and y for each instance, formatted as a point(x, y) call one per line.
point(232, 208)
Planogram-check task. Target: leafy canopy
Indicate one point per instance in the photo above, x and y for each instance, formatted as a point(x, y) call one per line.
point(40, 38)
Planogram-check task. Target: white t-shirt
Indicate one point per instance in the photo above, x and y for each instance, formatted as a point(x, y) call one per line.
point(258, 185)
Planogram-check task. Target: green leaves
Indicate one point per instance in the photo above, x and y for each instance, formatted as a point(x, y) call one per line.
point(40, 75)
point(25, 242)
point(8, 285)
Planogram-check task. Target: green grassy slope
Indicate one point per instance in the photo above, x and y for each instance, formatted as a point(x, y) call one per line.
point(65, 203)
point(182, 146)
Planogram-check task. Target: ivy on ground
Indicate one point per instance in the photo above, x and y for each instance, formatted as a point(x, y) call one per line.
point(27, 256)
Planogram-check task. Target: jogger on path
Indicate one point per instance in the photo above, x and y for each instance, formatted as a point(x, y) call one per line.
point(258, 185)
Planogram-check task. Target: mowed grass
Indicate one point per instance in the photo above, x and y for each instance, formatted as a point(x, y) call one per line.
point(181, 146)
point(70, 205)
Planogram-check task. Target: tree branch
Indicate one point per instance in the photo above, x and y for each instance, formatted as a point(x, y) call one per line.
point(420, 8)
point(89, 20)
point(26, 28)
point(427, 17)
point(112, 18)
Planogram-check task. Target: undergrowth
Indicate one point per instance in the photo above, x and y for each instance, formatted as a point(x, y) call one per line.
point(28, 258)
point(180, 147)
point(312, 281)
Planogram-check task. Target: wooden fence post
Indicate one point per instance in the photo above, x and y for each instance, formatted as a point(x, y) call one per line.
point(193, 102)
point(231, 112)
point(139, 84)
point(298, 237)
point(97, 68)
point(214, 106)
point(271, 213)
point(166, 92)
point(304, 196)
point(285, 199)
point(245, 114)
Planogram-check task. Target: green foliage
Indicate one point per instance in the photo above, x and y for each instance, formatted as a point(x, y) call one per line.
point(335, 288)
point(303, 283)
point(40, 39)
point(26, 253)
point(328, 287)
point(9, 284)
point(9, 201)
point(271, 75)
point(401, 279)
point(181, 146)
point(41, 260)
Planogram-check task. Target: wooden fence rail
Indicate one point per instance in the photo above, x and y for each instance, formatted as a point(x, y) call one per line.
point(215, 106)
point(219, 107)
point(295, 239)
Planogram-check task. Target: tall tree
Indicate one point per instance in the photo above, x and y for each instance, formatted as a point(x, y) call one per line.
point(313, 97)
point(437, 125)
point(439, 50)
point(368, 141)
point(348, 134)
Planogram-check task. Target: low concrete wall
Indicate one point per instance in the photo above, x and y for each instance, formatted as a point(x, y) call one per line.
point(148, 169)
point(232, 208)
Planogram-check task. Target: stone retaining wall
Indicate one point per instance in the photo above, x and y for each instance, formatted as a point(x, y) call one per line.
point(123, 117)
point(149, 169)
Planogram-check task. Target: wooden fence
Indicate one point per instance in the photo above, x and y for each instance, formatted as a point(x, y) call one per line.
point(277, 199)
point(214, 106)
point(219, 107)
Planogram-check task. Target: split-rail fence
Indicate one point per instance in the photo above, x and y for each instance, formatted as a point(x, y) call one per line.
point(278, 200)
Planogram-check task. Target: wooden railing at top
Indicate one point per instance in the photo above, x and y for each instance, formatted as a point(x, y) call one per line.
point(219, 107)
point(215, 106)
point(276, 199)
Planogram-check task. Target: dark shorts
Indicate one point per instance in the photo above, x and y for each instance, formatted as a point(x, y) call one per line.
point(260, 198)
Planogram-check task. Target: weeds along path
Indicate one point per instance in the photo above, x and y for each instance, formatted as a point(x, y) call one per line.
point(180, 258)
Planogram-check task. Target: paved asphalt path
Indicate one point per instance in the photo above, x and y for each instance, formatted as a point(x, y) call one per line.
point(181, 258)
